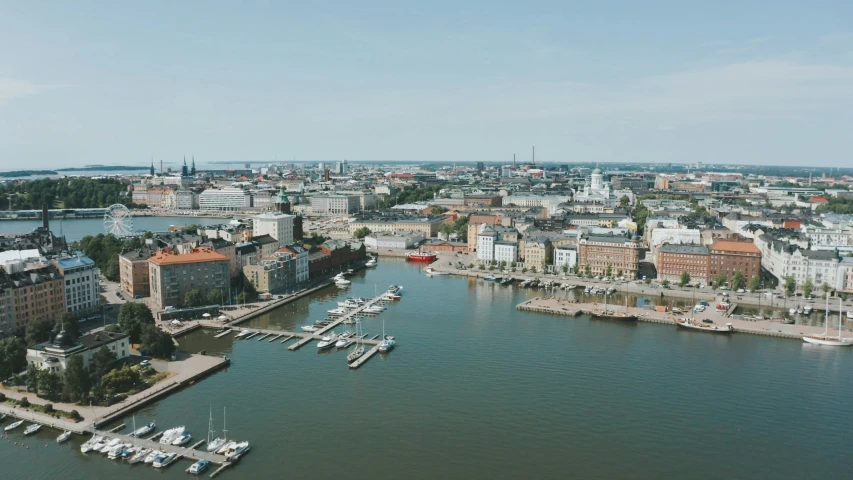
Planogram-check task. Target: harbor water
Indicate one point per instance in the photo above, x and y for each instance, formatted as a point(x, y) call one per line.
point(77, 228)
point(478, 390)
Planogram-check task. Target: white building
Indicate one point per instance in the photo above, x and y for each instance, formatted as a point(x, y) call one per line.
point(785, 259)
point(275, 224)
point(401, 240)
point(594, 189)
point(82, 284)
point(506, 251)
point(227, 199)
point(55, 354)
point(335, 205)
point(674, 236)
point(826, 238)
point(565, 256)
point(486, 243)
point(186, 200)
point(550, 202)
point(300, 255)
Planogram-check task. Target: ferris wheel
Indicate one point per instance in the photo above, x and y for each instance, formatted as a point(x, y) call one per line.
point(118, 221)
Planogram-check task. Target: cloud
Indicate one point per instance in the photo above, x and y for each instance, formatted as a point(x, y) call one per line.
point(11, 88)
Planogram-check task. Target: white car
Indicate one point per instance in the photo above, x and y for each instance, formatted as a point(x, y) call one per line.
point(740, 290)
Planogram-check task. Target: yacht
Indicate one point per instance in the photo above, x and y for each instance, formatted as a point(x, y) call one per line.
point(110, 445)
point(164, 460)
point(139, 456)
point(170, 435)
point(374, 309)
point(327, 342)
point(237, 450)
point(89, 444)
point(338, 311)
point(144, 430)
point(342, 282)
point(13, 426)
point(358, 351)
point(128, 452)
point(66, 435)
point(309, 328)
point(342, 342)
point(182, 439)
point(800, 310)
point(99, 445)
point(199, 466)
point(218, 442)
point(32, 429)
point(115, 451)
point(792, 311)
point(151, 456)
point(807, 310)
point(491, 278)
point(691, 324)
point(387, 344)
point(825, 339)
point(371, 263)
point(241, 335)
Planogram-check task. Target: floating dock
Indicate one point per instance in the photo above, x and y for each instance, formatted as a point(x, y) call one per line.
point(223, 333)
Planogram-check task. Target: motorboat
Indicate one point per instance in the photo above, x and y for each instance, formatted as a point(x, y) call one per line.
point(691, 324)
point(109, 445)
point(371, 263)
point(491, 278)
point(225, 448)
point(89, 444)
point(792, 311)
point(182, 439)
point(309, 328)
point(342, 281)
point(338, 311)
point(327, 342)
point(242, 334)
point(13, 426)
point(64, 437)
point(139, 456)
point(199, 466)
point(128, 452)
point(151, 456)
point(807, 310)
point(170, 435)
point(800, 310)
point(391, 296)
point(116, 451)
point(144, 430)
point(99, 445)
point(32, 429)
point(825, 339)
point(237, 450)
point(395, 288)
point(164, 460)
point(374, 309)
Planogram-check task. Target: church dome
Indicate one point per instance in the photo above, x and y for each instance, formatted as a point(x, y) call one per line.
point(63, 340)
point(597, 171)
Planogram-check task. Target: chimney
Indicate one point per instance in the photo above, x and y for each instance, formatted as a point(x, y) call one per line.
point(45, 220)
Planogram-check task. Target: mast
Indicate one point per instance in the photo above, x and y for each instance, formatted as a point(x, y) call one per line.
point(826, 319)
point(209, 423)
point(224, 432)
point(839, 318)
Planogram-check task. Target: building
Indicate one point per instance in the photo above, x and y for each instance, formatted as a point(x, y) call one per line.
point(565, 256)
point(172, 275)
point(674, 259)
point(82, 284)
point(619, 252)
point(55, 354)
point(275, 224)
point(37, 293)
point(441, 246)
point(475, 224)
point(300, 255)
point(536, 252)
point(680, 236)
point(229, 249)
point(506, 251)
point(828, 238)
point(427, 224)
point(186, 200)
point(335, 205)
point(133, 272)
point(272, 275)
point(482, 200)
point(594, 190)
point(401, 240)
point(728, 257)
point(267, 245)
point(486, 243)
point(225, 199)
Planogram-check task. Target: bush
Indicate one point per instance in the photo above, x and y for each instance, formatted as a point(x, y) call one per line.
point(48, 408)
point(24, 402)
point(2, 398)
point(75, 415)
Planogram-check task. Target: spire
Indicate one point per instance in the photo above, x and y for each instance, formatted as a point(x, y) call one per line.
point(192, 169)
point(185, 160)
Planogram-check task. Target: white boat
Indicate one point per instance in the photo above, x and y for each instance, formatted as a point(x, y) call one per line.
point(387, 344)
point(338, 311)
point(165, 460)
point(807, 310)
point(109, 445)
point(691, 324)
point(358, 351)
point(792, 311)
point(182, 439)
point(327, 342)
point(800, 309)
point(139, 456)
point(13, 426)
point(151, 456)
point(432, 271)
point(374, 309)
point(214, 444)
point(64, 437)
point(309, 328)
point(199, 467)
point(143, 430)
point(371, 263)
point(237, 450)
point(32, 429)
point(115, 452)
point(171, 434)
point(128, 452)
point(342, 282)
point(89, 444)
point(825, 339)
point(342, 342)
point(225, 448)
point(243, 333)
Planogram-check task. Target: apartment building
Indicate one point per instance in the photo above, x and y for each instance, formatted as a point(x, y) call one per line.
point(673, 259)
point(133, 272)
point(300, 256)
point(565, 256)
point(728, 257)
point(619, 252)
point(275, 224)
point(225, 199)
point(475, 224)
point(335, 205)
point(272, 275)
point(172, 275)
point(38, 293)
point(82, 284)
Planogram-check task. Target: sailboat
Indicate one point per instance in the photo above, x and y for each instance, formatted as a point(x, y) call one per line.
point(613, 314)
point(387, 344)
point(825, 339)
point(359, 347)
point(216, 443)
point(143, 430)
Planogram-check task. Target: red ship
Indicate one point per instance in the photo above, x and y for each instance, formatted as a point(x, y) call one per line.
point(420, 256)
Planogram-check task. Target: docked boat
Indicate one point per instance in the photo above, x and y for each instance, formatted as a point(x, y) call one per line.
point(218, 442)
point(32, 429)
point(792, 311)
point(144, 430)
point(342, 342)
point(387, 344)
point(151, 456)
point(374, 309)
point(432, 271)
point(309, 328)
point(395, 289)
point(608, 314)
point(182, 439)
point(338, 311)
point(807, 310)
point(116, 451)
point(171, 434)
point(327, 342)
point(225, 448)
point(139, 456)
point(164, 460)
point(691, 324)
point(358, 351)
point(109, 445)
point(199, 467)
point(242, 334)
point(800, 310)
point(128, 452)
point(64, 437)
point(371, 263)
point(491, 278)
point(420, 256)
point(89, 445)
point(341, 281)
point(238, 449)
point(825, 339)
point(13, 426)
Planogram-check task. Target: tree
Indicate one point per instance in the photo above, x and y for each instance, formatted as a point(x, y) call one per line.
point(754, 283)
point(69, 323)
point(361, 232)
point(826, 288)
point(193, 298)
point(120, 380)
point(648, 280)
point(132, 317)
point(214, 297)
point(446, 229)
point(808, 287)
point(13, 356)
point(502, 265)
point(684, 280)
point(790, 286)
point(576, 269)
point(156, 342)
point(33, 375)
point(738, 281)
point(76, 383)
point(38, 331)
point(624, 201)
point(438, 210)
point(665, 283)
point(720, 279)
point(533, 269)
point(101, 362)
point(112, 270)
point(565, 268)
point(587, 270)
point(609, 270)
point(242, 297)
point(524, 270)
point(49, 384)
point(620, 273)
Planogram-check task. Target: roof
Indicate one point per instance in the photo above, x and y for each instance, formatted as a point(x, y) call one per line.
point(11, 255)
point(271, 216)
point(219, 243)
point(200, 254)
point(818, 199)
point(739, 247)
point(688, 249)
point(74, 262)
point(97, 339)
point(264, 239)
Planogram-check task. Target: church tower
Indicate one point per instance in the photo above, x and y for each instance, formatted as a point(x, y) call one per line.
point(152, 167)
point(192, 169)
point(184, 170)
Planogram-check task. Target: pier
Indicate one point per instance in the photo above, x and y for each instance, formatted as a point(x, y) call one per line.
point(318, 335)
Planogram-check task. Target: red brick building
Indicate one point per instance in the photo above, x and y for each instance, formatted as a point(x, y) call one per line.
point(445, 247)
point(673, 260)
point(728, 257)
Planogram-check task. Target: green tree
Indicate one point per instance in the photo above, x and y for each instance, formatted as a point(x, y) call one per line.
point(120, 380)
point(608, 271)
point(50, 384)
point(576, 269)
point(624, 201)
point(826, 288)
point(361, 232)
point(132, 316)
point(446, 229)
point(242, 297)
point(438, 210)
point(738, 281)
point(565, 268)
point(38, 331)
point(587, 270)
point(214, 297)
point(502, 265)
point(620, 273)
point(684, 280)
point(33, 377)
point(76, 383)
point(754, 283)
point(101, 363)
point(156, 342)
point(13, 356)
point(524, 270)
point(720, 279)
point(69, 323)
point(533, 269)
point(665, 283)
point(193, 298)
point(648, 281)
point(112, 271)
point(808, 287)
point(790, 286)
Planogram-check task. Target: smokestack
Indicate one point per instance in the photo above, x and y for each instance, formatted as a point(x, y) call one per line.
point(534, 155)
point(45, 221)
point(326, 175)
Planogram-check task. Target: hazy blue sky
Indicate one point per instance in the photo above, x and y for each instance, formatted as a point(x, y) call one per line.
point(715, 81)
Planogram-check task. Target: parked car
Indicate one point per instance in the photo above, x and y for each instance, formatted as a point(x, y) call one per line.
point(740, 290)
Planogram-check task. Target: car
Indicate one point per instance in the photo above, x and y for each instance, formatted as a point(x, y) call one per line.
point(137, 296)
point(144, 363)
point(170, 308)
point(740, 290)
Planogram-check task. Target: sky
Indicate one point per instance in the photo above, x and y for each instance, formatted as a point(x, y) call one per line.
point(747, 82)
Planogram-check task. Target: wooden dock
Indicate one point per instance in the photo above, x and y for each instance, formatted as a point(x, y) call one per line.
point(181, 452)
point(365, 357)
point(318, 335)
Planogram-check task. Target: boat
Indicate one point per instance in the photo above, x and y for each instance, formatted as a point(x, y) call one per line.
point(151, 456)
point(338, 311)
point(109, 445)
point(32, 429)
point(850, 314)
point(64, 437)
point(128, 452)
point(420, 256)
point(143, 430)
point(219, 442)
point(327, 342)
point(800, 310)
point(691, 324)
point(182, 439)
point(225, 448)
point(342, 342)
point(309, 328)
point(199, 466)
point(342, 281)
point(139, 456)
point(605, 314)
point(792, 311)
point(171, 434)
point(238, 449)
point(432, 271)
point(13, 426)
point(242, 334)
point(88, 445)
point(116, 451)
point(371, 263)
point(491, 278)
point(825, 339)
point(358, 351)
point(164, 460)
point(3, 416)
point(387, 344)
point(807, 310)
point(395, 289)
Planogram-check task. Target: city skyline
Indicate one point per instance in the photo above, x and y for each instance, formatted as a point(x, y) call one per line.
point(612, 82)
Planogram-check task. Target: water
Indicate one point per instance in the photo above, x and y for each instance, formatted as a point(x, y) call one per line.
point(477, 389)
point(80, 227)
